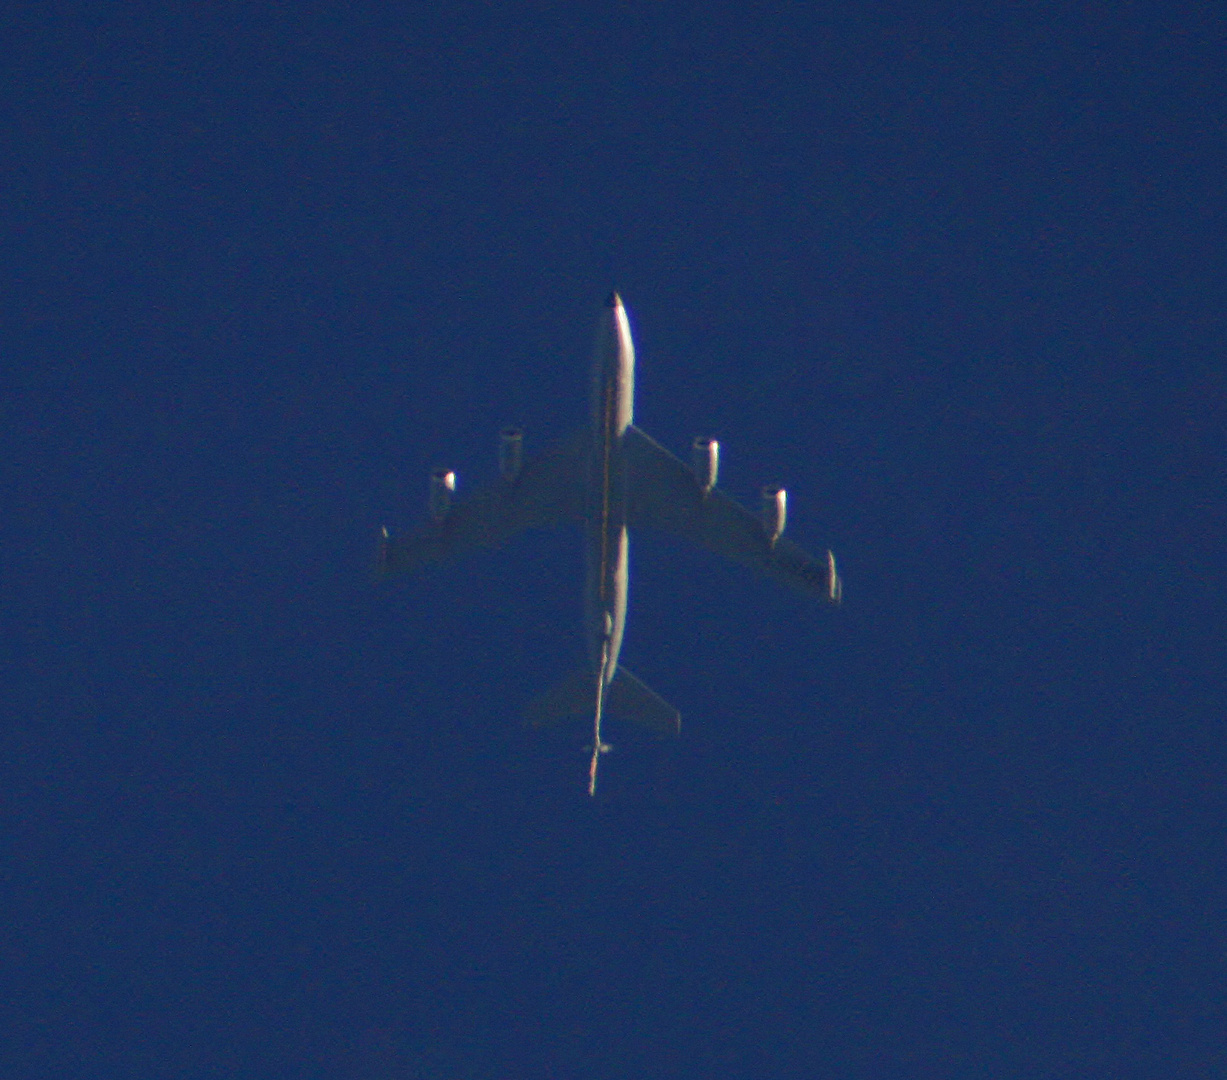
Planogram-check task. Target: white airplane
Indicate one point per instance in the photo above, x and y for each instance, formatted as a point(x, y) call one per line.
point(608, 478)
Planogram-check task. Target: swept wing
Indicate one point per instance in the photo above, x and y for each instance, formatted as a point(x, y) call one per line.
point(664, 494)
point(548, 491)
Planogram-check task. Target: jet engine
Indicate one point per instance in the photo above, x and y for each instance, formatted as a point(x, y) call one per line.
point(442, 487)
point(705, 457)
point(835, 584)
point(775, 511)
point(383, 562)
point(510, 452)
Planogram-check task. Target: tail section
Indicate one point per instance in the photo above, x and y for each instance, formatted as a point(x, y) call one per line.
point(626, 698)
point(572, 697)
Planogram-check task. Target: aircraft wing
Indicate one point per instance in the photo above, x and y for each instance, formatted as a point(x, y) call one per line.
point(664, 494)
point(548, 491)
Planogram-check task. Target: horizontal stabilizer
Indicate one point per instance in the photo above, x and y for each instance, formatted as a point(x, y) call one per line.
point(574, 696)
point(627, 699)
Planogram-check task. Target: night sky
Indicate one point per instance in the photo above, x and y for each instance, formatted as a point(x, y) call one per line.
point(953, 273)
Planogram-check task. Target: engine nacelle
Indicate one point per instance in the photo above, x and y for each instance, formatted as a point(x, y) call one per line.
point(835, 584)
point(510, 452)
point(442, 488)
point(383, 558)
point(775, 511)
point(705, 458)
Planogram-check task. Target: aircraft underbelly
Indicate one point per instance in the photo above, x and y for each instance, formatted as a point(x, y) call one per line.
point(606, 479)
point(606, 542)
point(605, 599)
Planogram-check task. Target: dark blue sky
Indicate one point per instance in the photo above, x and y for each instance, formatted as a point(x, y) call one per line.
point(956, 276)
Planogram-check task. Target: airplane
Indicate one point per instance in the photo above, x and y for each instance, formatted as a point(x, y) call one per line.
point(608, 478)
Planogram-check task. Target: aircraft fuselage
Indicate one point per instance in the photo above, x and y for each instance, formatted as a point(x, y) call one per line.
point(606, 547)
point(605, 479)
